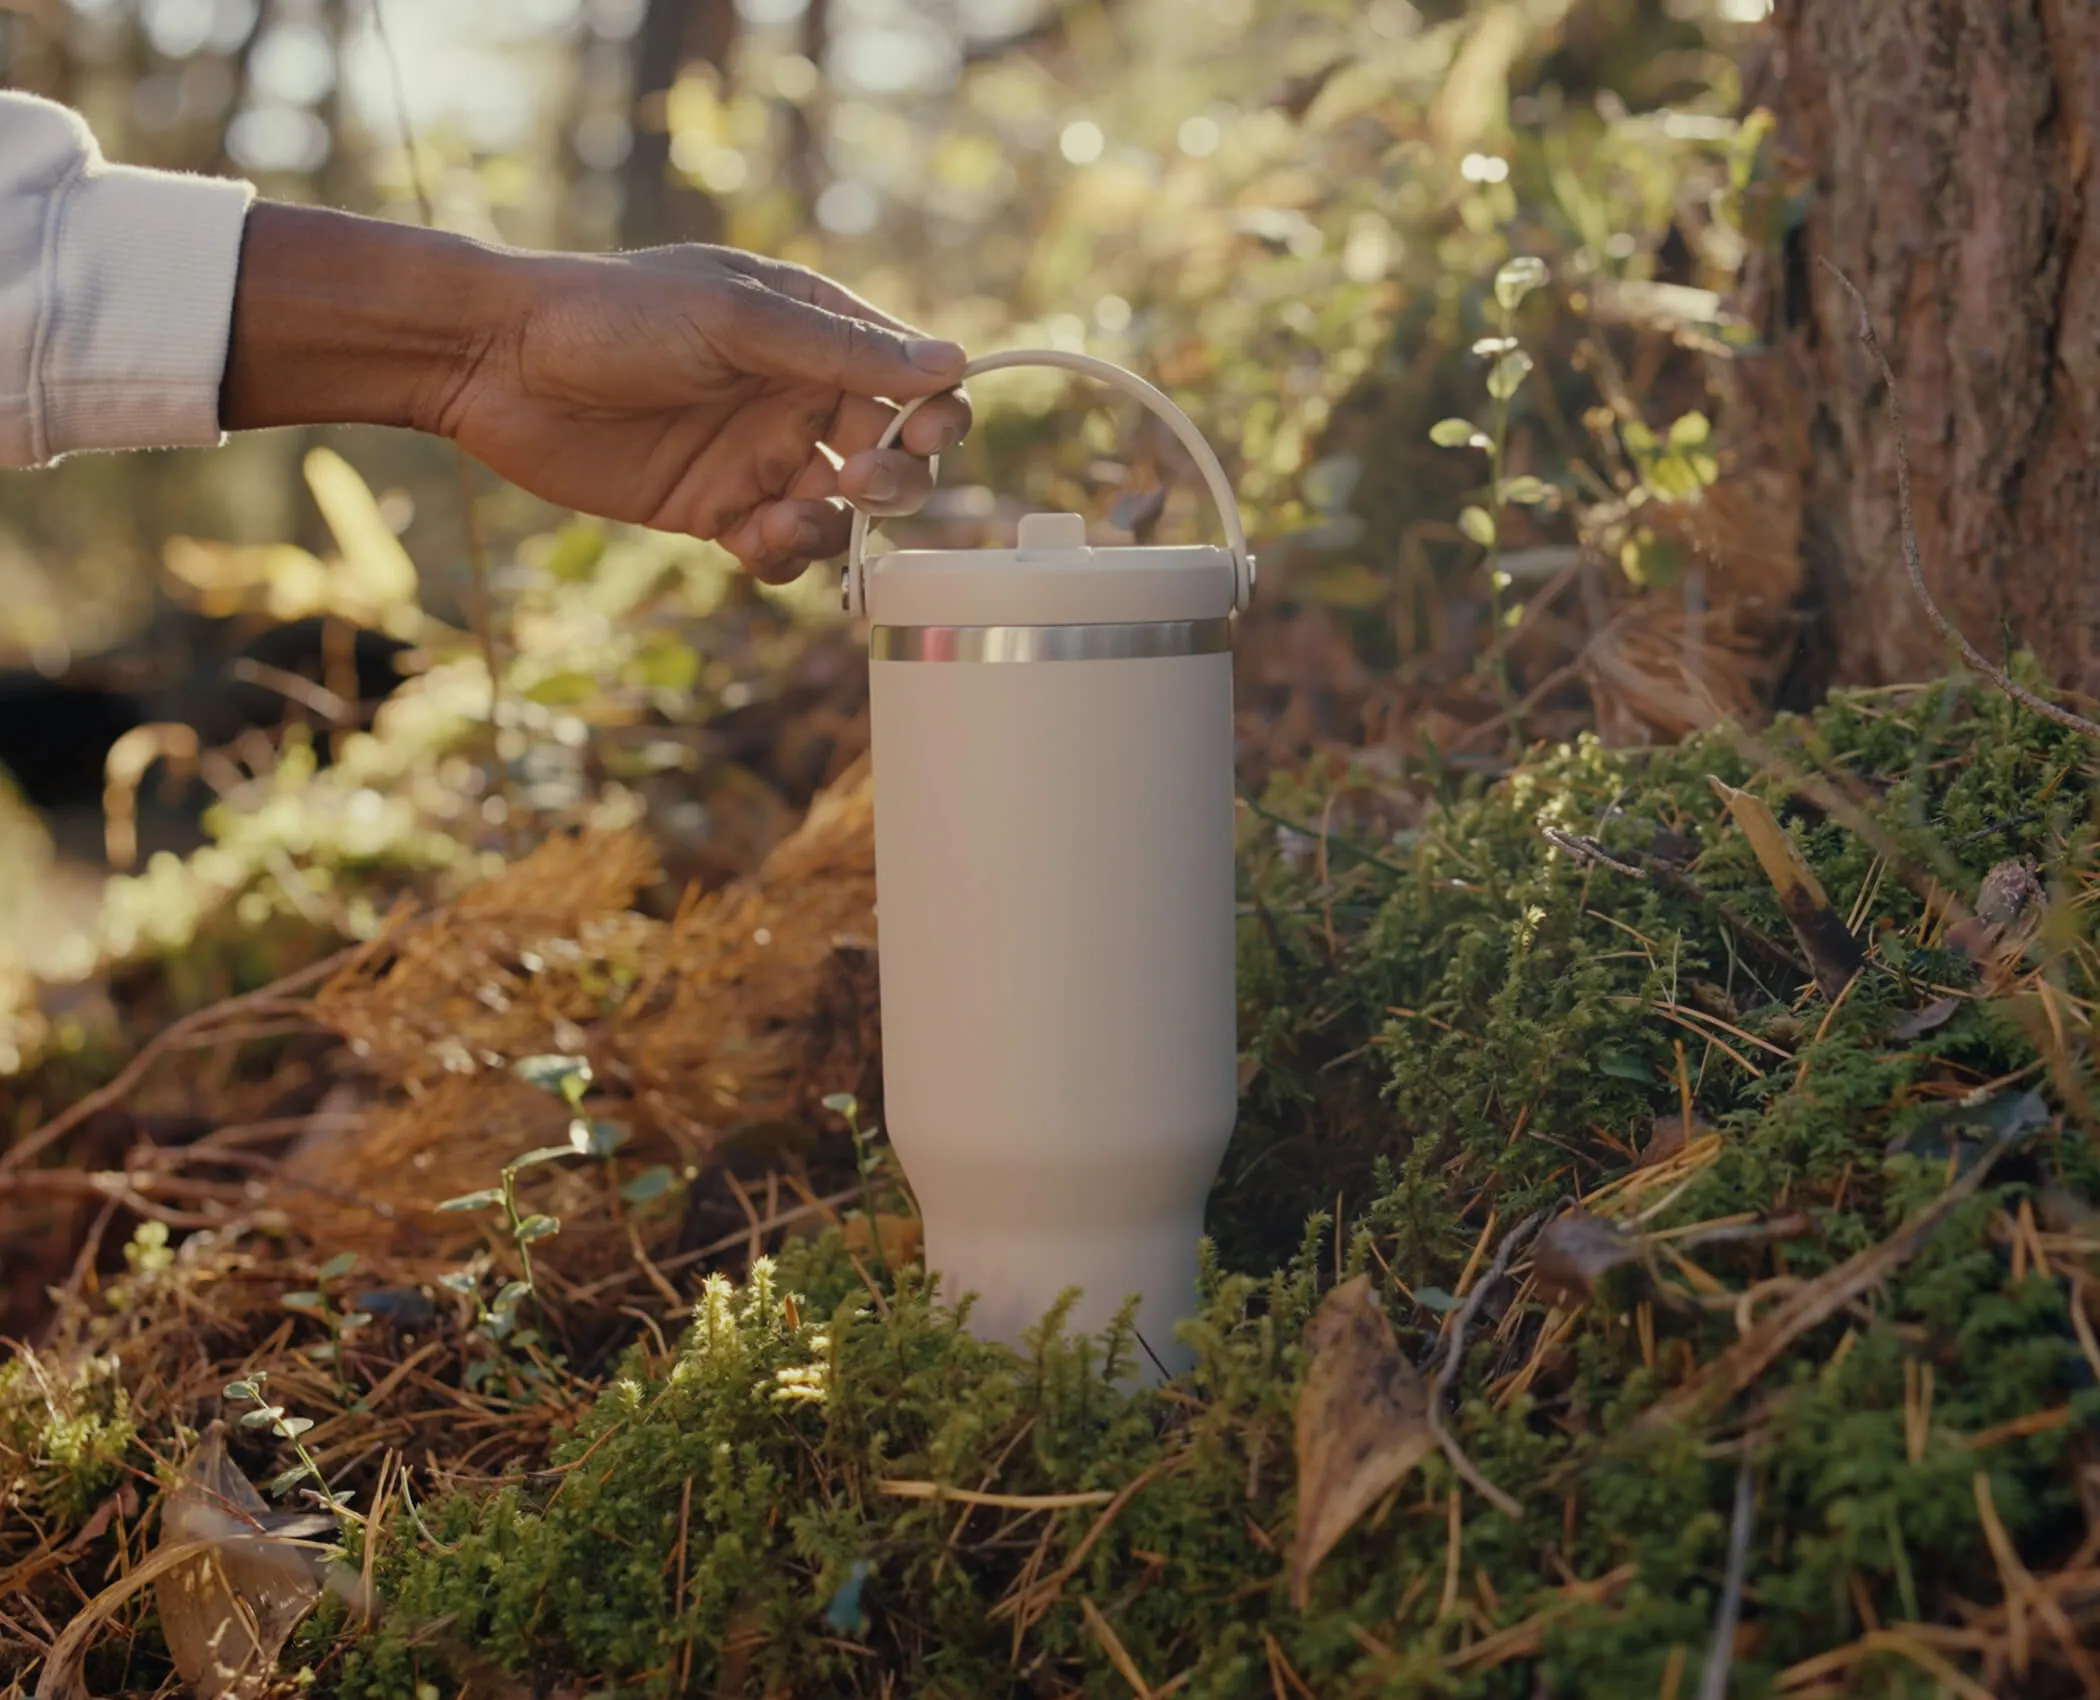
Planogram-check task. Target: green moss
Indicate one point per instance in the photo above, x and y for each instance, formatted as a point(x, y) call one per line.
point(726, 1527)
point(65, 1437)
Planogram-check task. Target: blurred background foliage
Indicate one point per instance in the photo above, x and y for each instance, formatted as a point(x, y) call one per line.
point(1300, 218)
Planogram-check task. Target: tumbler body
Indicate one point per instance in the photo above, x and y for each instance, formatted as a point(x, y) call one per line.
point(1055, 921)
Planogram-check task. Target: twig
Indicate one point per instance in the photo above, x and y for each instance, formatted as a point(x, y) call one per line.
point(168, 1038)
point(1720, 1653)
point(1908, 532)
point(1454, 1359)
point(1583, 848)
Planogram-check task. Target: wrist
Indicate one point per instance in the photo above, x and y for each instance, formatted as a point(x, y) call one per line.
point(341, 320)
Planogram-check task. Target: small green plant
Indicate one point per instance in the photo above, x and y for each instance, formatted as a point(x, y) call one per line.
point(570, 1077)
point(320, 1302)
point(286, 1427)
point(1509, 366)
point(147, 1252)
point(870, 1163)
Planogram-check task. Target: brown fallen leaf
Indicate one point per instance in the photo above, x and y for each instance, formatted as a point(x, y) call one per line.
point(1930, 1019)
point(228, 1612)
point(1577, 1250)
point(231, 1578)
point(1833, 953)
point(902, 1237)
point(1363, 1423)
point(1667, 1135)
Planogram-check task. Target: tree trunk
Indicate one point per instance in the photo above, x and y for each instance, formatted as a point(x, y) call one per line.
point(659, 207)
point(1949, 147)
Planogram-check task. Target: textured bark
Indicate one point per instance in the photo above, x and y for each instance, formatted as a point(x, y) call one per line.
point(1950, 148)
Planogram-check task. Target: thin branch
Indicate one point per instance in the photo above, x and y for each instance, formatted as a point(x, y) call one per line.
point(1909, 533)
point(1454, 1360)
point(167, 1039)
point(1720, 1653)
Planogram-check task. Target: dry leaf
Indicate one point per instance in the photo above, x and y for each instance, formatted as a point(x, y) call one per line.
point(1667, 1135)
point(228, 1612)
point(231, 1578)
point(1363, 1423)
point(1931, 1018)
point(1833, 953)
point(1576, 1251)
point(902, 1237)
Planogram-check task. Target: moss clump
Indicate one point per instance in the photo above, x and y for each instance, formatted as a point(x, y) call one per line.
point(65, 1438)
point(1454, 1031)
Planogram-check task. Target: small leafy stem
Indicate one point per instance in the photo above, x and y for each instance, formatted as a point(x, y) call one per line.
point(289, 1428)
point(865, 1162)
point(1511, 366)
point(569, 1078)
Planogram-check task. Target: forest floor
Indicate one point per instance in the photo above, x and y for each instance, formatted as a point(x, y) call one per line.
point(1657, 1252)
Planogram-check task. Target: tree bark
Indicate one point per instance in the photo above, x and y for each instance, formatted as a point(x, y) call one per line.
point(1949, 148)
point(657, 207)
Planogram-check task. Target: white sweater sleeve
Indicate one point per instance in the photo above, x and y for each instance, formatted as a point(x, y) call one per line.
point(116, 293)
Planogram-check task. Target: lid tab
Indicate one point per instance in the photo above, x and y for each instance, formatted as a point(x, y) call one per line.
point(1050, 534)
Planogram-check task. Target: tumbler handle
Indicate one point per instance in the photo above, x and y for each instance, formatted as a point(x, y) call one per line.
point(855, 583)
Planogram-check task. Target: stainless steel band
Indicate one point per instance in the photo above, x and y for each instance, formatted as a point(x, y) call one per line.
point(1146, 641)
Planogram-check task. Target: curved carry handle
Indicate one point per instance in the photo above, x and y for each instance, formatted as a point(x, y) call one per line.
point(1162, 407)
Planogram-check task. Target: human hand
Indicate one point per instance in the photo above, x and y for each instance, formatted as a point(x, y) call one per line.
point(689, 389)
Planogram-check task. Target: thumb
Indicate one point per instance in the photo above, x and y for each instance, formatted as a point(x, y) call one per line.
point(776, 336)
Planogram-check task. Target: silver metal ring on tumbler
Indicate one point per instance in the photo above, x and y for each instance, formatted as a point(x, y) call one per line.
point(1139, 641)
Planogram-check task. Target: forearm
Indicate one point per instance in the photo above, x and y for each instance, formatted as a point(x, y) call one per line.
point(340, 320)
point(114, 290)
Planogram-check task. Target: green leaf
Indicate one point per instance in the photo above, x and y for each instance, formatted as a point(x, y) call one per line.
point(239, 1390)
point(1509, 374)
point(1671, 478)
point(283, 1484)
point(303, 1301)
point(293, 1427)
point(842, 1104)
point(262, 1417)
point(1526, 489)
point(578, 548)
point(596, 1139)
point(474, 1200)
point(1451, 433)
point(525, 1337)
point(666, 665)
point(1637, 437)
point(355, 1320)
point(541, 1154)
point(457, 1280)
point(651, 1183)
point(1690, 430)
point(1517, 279)
point(1620, 1066)
point(1479, 525)
point(337, 1266)
point(1436, 1299)
point(563, 690)
point(1490, 345)
point(537, 1228)
point(513, 1292)
point(552, 1071)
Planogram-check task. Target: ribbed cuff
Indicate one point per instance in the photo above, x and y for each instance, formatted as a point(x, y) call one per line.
point(141, 276)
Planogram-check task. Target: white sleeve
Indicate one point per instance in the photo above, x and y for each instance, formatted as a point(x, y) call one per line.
point(116, 293)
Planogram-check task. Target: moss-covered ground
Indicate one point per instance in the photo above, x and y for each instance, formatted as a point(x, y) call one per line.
point(1836, 1247)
